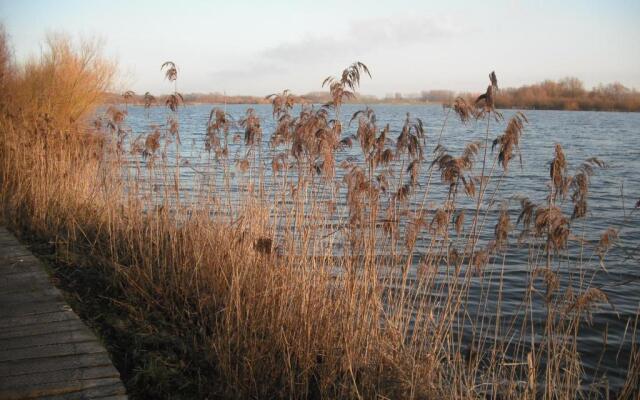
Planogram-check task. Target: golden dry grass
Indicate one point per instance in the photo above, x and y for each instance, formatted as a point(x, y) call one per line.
point(252, 287)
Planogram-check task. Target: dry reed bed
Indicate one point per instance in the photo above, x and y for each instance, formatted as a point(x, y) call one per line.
point(254, 292)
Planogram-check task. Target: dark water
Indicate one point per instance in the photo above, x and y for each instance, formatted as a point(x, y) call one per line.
point(614, 191)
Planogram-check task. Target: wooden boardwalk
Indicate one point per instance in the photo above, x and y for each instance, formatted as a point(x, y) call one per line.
point(46, 351)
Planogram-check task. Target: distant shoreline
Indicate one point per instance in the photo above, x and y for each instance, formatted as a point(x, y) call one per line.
point(363, 103)
point(568, 94)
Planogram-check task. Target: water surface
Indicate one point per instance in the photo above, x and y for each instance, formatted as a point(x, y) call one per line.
point(612, 137)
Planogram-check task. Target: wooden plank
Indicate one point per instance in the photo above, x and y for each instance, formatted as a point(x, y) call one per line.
point(14, 251)
point(49, 293)
point(11, 310)
point(62, 376)
point(8, 249)
point(88, 389)
point(45, 349)
point(29, 366)
point(24, 304)
point(36, 341)
point(15, 267)
point(9, 258)
point(104, 392)
point(39, 329)
point(24, 272)
point(20, 272)
point(81, 396)
point(35, 283)
point(52, 350)
point(36, 319)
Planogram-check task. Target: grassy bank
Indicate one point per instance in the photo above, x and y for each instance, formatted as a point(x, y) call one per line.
point(238, 290)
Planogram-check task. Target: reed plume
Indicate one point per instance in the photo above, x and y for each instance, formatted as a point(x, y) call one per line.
point(149, 100)
point(170, 71)
point(285, 285)
point(344, 88)
point(580, 185)
point(510, 140)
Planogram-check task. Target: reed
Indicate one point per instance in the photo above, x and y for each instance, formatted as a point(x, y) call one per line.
point(290, 279)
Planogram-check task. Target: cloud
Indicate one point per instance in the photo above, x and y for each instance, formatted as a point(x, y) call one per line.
point(249, 71)
point(303, 57)
point(309, 49)
point(364, 35)
point(402, 30)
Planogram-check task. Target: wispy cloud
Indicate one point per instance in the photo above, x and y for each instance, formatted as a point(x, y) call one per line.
point(249, 71)
point(310, 48)
point(359, 38)
point(362, 36)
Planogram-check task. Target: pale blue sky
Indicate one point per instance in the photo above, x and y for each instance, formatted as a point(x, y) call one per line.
point(259, 47)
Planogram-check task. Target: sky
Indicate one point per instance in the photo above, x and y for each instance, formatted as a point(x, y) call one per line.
point(266, 46)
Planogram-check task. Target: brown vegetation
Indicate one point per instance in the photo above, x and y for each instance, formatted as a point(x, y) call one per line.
point(570, 94)
point(567, 94)
point(280, 285)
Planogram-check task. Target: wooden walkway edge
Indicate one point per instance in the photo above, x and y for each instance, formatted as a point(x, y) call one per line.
point(46, 351)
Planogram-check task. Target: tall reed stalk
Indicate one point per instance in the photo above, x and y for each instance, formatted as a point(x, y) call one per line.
point(331, 279)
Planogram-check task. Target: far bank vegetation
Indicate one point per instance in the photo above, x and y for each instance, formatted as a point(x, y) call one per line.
point(567, 94)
